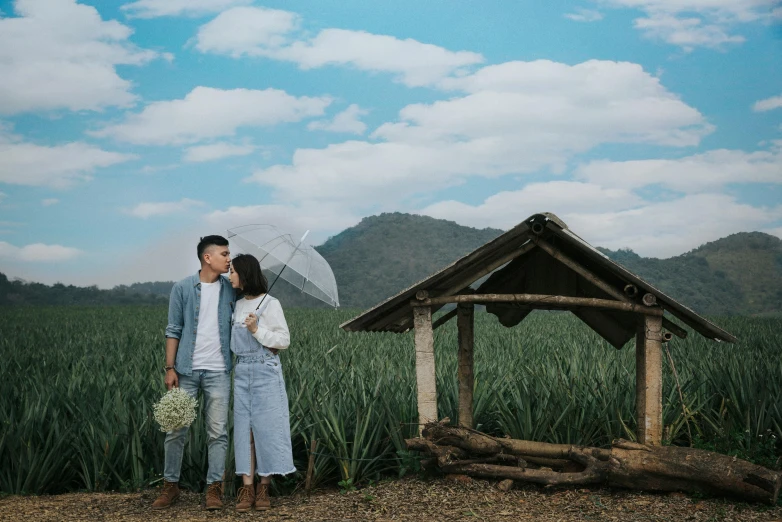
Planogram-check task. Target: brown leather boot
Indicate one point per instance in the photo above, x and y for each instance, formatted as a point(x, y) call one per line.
point(214, 496)
point(262, 502)
point(245, 499)
point(167, 497)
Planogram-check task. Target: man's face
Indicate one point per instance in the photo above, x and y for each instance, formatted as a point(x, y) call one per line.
point(218, 258)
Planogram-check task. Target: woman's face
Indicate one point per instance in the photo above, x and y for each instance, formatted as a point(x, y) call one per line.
point(234, 278)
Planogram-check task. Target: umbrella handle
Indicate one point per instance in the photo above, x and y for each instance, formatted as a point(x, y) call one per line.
point(283, 268)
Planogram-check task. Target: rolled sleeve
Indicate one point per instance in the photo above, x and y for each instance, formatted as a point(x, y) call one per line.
point(176, 316)
point(272, 329)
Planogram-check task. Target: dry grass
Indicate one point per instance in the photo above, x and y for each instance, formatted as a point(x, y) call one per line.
point(409, 499)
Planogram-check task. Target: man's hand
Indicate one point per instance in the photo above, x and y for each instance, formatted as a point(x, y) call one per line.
point(172, 379)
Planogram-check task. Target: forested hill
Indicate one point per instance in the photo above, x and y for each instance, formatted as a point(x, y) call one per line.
point(387, 253)
point(739, 274)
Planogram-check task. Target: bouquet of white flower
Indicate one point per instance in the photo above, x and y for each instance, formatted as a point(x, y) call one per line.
point(176, 409)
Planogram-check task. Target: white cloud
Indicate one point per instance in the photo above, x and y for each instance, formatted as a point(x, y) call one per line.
point(3, 195)
point(519, 117)
point(210, 113)
point(57, 54)
point(49, 202)
point(614, 218)
point(687, 33)
point(692, 174)
point(252, 31)
point(775, 102)
point(23, 163)
point(147, 210)
point(584, 15)
point(37, 252)
point(215, 151)
point(696, 23)
point(156, 8)
point(347, 121)
point(506, 209)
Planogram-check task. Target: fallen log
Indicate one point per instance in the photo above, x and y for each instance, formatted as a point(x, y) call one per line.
point(627, 464)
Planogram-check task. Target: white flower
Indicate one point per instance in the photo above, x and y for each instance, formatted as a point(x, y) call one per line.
point(176, 409)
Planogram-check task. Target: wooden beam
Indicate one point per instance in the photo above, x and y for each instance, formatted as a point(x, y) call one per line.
point(488, 269)
point(674, 328)
point(444, 319)
point(465, 320)
point(541, 302)
point(426, 381)
point(649, 380)
point(581, 270)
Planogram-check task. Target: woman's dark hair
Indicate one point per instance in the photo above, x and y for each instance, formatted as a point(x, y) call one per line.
point(250, 275)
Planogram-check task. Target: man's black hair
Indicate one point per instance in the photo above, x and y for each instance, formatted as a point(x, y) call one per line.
point(250, 275)
point(208, 241)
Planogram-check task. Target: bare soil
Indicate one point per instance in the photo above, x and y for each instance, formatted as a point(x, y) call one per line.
point(459, 498)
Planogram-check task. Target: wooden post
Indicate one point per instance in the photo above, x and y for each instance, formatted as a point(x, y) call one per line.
point(310, 466)
point(465, 324)
point(649, 380)
point(426, 382)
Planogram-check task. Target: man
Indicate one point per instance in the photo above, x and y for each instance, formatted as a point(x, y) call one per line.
point(198, 357)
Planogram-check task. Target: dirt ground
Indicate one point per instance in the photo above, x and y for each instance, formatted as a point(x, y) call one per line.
point(408, 499)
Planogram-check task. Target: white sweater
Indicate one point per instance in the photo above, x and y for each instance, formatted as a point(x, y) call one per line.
point(272, 329)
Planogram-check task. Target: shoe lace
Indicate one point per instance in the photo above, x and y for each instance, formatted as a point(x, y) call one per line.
point(214, 490)
point(245, 494)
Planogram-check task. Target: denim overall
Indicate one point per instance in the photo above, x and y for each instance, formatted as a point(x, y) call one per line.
point(260, 405)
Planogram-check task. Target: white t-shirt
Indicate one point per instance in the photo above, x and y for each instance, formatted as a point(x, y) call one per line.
point(272, 329)
point(207, 354)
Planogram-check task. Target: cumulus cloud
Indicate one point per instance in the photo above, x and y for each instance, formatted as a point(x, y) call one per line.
point(57, 54)
point(584, 15)
point(157, 8)
point(775, 102)
point(696, 23)
point(692, 174)
point(37, 252)
point(271, 33)
point(506, 209)
point(615, 218)
point(210, 113)
point(516, 118)
point(216, 151)
point(147, 210)
point(347, 121)
point(24, 163)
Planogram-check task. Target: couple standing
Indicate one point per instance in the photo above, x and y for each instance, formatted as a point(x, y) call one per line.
point(206, 323)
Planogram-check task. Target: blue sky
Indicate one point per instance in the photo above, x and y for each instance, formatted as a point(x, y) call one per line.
point(128, 131)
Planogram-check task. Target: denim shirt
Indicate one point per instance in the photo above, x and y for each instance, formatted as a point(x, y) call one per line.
point(183, 309)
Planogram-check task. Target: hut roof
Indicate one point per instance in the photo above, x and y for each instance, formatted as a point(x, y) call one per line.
point(515, 264)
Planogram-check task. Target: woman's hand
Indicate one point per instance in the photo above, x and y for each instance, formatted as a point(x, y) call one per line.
point(251, 323)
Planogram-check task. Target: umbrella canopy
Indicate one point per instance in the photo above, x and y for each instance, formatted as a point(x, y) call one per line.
point(295, 262)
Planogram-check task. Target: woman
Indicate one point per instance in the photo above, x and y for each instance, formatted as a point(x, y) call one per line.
point(260, 401)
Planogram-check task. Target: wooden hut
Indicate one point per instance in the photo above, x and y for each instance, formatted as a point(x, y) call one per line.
point(539, 264)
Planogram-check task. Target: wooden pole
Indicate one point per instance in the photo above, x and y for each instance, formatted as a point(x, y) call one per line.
point(541, 302)
point(310, 466)
point(426, 381)
point(465, 321)
point(649, 381)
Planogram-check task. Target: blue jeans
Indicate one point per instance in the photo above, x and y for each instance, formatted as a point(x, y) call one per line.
point(216, 387)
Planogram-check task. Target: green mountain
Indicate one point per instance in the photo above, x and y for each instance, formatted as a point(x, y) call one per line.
point(387, 253)
point(739, 274)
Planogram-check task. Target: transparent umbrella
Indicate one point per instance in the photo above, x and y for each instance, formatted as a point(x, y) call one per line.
point(297, 263)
